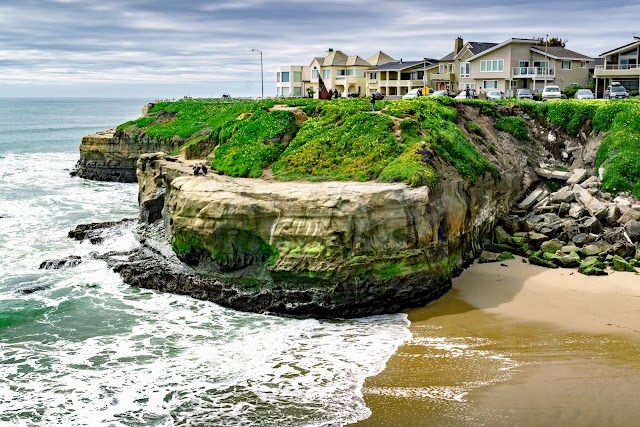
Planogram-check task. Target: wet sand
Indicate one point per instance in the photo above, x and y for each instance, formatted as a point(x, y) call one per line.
point(517, 345)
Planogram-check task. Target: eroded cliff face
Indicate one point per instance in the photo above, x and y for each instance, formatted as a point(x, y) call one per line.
point(112, 156)
point(332, 248)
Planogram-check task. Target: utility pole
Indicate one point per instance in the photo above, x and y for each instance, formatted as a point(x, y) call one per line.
point(261, 72)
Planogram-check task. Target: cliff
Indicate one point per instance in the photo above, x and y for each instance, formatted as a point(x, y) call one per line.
point(401, 200)
point(329, 248)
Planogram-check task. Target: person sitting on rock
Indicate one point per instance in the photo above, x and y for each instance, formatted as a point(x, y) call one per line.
point(196, 169)
point(203, 169)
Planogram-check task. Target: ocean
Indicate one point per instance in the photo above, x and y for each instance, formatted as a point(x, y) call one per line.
point(80, 348)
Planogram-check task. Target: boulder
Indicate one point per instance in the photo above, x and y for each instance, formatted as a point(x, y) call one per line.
point(624, 249)
point(619, 264)
point(570, 228)
point(596, 248)
point(57, 264)
point(536, 260)
point(591, 266)
point(576, 210)
point(570, 248)
point(582, 239)
point(632, 228)
point(613, 214)
point(570, 260)
point(592, 181)
point(595, 207)
point(555, 174)
point(487, 256)
point(536, 239)
point(563, 195)
point(504, 256)
point(564, 208)
point(552, 246)
point(532, 198)
point(502, 237)
point(592, 225)
point(629, 215)
point(577, 177)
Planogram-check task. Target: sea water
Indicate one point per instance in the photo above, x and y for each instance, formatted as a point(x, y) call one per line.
point(80, 348)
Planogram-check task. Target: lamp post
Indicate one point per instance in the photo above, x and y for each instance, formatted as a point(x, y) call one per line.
point(261, 73)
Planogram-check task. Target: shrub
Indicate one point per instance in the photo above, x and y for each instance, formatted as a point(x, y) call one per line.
point(514, 125)
point(571, 90)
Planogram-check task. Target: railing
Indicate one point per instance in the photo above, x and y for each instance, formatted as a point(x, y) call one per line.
point(618, 67)
point(533, 71)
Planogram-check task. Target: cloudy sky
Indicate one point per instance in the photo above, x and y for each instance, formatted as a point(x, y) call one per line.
point(165, 49)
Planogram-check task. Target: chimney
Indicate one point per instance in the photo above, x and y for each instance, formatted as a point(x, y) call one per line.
point(401, 60)
point(457, 47)
point(329, 50)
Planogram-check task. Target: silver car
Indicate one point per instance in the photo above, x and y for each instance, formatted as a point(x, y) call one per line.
point(584, 94)
point(524, 93)
point(616, 91)
point(494, 94)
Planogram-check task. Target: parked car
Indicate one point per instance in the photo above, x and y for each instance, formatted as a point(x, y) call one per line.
point(551, 92)
point(443, 93)
point(463, 94)
point(494, 94)
point(616, 90)
point(583, 94)
point(524, 93)
point(413, 93)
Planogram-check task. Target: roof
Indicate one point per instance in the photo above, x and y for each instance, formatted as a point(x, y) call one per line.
point(356, 60)
point(379, 58)
point(484, 48)
point(636, 42)
point(319, 59)
point(474, 47)
point(398, 65)
point(557, 52)
point(336, 57)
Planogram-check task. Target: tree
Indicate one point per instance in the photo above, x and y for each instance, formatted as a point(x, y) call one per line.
point(553, 41)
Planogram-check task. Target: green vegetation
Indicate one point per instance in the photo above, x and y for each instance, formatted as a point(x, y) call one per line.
point(404, 142)
point(514, 125)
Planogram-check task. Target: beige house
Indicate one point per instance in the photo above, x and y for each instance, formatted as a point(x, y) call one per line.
point(345, 73)
point(622, 65)
point(396, 78)
point(510, 65)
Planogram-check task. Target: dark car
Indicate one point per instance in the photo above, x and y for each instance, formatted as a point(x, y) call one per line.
point(616, 90)
point(524, 93)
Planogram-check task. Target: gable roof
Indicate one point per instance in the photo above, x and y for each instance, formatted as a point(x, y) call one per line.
point(398, 65)
point(636, 42)
point(474, 47)
point(557, 52)
point(379, 58)
point(318, 59)
point(490, 47)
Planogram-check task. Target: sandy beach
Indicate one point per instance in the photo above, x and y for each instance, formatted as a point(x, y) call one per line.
point(514, 344)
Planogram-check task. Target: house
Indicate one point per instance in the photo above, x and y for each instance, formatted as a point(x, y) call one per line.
point(339, 71)
point(396, 78)
point(510, 65)
point(622, 65)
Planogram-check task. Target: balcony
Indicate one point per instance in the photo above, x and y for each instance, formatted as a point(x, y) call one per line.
point(447, 77)
point(533, 72)
point(617, 71)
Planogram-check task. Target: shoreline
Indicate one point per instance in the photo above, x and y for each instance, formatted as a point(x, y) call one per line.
point(516, 344)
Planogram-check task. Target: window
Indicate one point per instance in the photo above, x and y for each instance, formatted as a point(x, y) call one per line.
point(285, 77)
point(583, 64)
point(514, 83)
point(490, 84)
point(492, 66)
point(314, 73)
point(442, 69)
point(465, 69)
point(349, 72)
point(326, 74)
point(285, 91)
point(341, 73)
point(463, 86)
point(373, 76)
point(566, 65)
point(297, 91)
point(278, 78)
point(360, 73)
point(297, 76)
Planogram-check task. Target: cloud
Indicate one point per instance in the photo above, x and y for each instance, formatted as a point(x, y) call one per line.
point(194, 44)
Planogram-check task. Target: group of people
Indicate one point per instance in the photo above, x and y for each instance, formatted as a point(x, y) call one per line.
point(199, 169)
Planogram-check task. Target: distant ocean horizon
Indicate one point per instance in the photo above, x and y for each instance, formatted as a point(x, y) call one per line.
point(80, 348)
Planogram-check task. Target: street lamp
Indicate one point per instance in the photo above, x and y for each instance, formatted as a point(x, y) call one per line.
point(261, 73)
point(424, 77)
